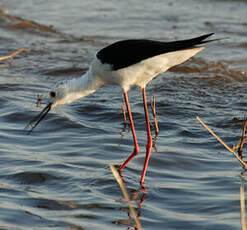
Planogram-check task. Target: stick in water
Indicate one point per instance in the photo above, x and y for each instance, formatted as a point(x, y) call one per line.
point(124, 114)
point(242, 207)
point(222, 142)
point(13, 54)
point(243, 138)
point(126, 196)
point(153, 107)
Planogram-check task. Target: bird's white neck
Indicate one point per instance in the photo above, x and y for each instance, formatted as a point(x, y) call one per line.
point(80, 87)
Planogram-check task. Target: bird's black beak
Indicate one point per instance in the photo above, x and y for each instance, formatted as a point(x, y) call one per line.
point(38, 119)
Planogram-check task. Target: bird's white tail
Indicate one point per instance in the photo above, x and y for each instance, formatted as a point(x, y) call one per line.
point(180, 56)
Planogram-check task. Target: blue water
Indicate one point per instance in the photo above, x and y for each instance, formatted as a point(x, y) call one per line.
point(59, 178)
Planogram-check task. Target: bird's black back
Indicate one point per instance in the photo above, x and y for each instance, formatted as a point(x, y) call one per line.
point(128, 52)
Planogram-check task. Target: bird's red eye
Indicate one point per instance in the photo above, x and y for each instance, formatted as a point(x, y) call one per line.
point(52, 94)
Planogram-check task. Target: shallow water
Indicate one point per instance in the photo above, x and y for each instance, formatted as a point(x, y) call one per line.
point(58, 177)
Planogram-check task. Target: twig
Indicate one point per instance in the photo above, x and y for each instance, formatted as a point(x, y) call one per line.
point(39, 99)
point(124, 114)
point(243, 138)
point(153, 107)
point(242, 207)
point(126, 196)
point(13, 54)
point(222, 142)
point(154, 145)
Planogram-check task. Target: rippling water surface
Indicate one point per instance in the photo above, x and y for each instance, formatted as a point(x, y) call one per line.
point(58, 177)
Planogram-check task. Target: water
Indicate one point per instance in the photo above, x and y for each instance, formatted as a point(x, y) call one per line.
point(58, 177)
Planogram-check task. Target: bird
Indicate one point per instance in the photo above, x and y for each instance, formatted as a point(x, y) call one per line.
point(125, 63)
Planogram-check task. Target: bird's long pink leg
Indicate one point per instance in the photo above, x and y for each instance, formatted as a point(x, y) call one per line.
point(136, 148)
point(149, 137)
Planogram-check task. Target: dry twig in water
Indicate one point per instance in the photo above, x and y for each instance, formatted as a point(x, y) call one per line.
point(222, 142)
point(124, 114)
point(242, 207)
point(39, 99)
point(126, 196)
point(243, 138)
point(153, 107)
point(13, 54)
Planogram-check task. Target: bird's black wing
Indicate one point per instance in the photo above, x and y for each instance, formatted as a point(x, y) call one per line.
point(128, 52)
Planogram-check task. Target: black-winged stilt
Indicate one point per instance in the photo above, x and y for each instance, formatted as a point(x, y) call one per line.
point(125, 63)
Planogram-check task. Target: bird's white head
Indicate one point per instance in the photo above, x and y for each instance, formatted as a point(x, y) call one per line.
point(59, 94)
point(65, 92)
